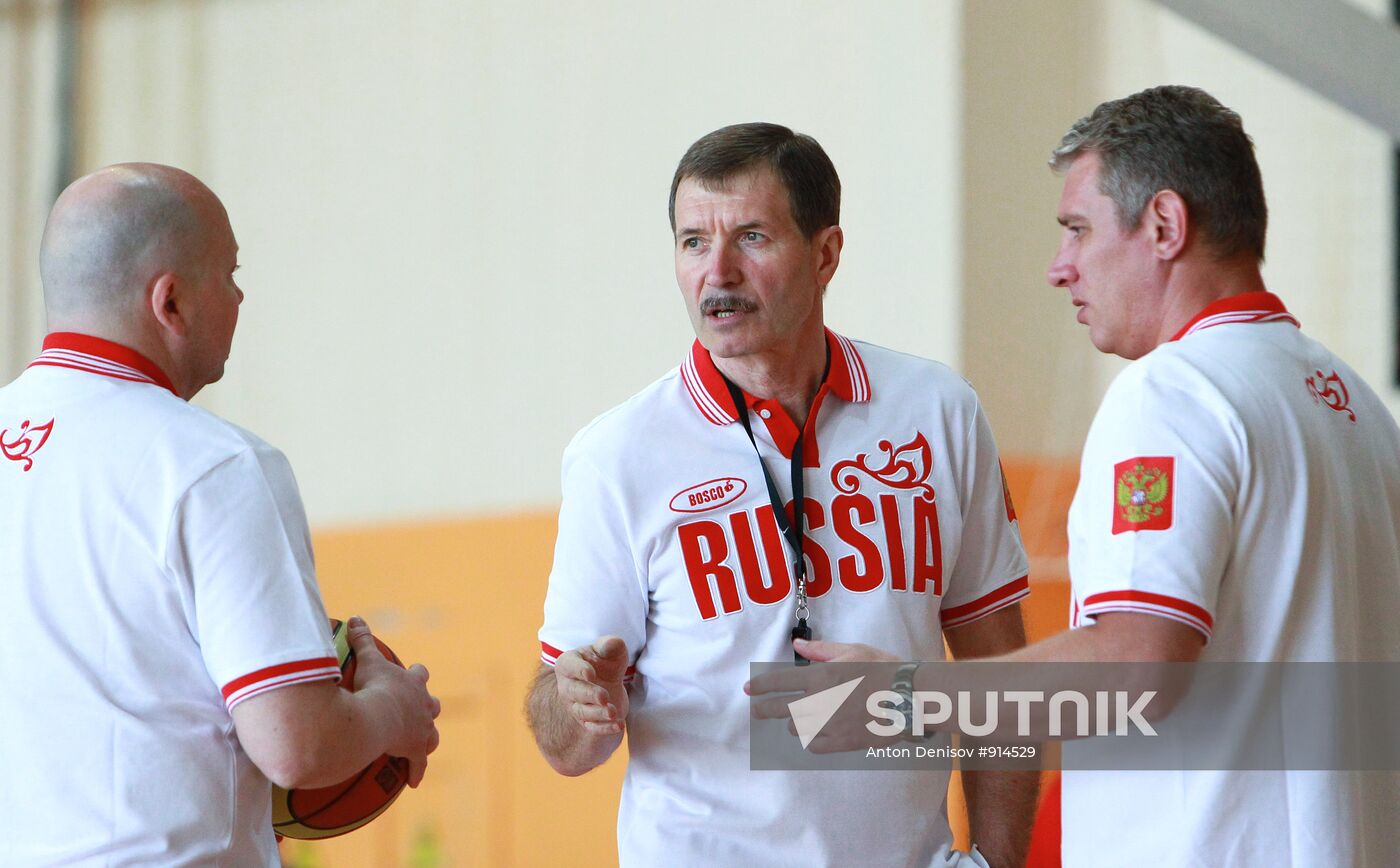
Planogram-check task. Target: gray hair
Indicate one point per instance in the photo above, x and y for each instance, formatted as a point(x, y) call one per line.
point(1176, 138)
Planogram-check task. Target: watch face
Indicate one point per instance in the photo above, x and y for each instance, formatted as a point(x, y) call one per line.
point(904, 680)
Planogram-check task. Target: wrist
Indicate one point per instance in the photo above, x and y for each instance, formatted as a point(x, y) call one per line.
point(902, 684)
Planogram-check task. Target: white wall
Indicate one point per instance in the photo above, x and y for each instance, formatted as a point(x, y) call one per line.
point(29, 32)
point(1327, 177)
point(1031, 70)
point(453, 215)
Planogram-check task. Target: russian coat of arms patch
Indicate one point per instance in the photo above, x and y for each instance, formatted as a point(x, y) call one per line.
point(1143, 494)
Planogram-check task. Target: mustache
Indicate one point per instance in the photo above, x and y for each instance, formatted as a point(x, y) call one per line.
point(726, 301)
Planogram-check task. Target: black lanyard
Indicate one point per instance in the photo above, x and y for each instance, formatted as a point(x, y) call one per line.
point(792, 530)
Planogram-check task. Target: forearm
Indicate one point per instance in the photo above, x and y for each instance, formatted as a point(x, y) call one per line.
point(1000, 811)
point(568, 747)
point(314, 735)
point(1145, 656)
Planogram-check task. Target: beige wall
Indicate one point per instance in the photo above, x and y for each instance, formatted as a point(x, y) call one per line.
point(452, 215)
point(1030, 70)
point(1327, 177)
point(28, 173)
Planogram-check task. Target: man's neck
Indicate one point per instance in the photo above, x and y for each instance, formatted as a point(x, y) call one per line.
point(792, 379)
point(114, 329)
point(1204, 284)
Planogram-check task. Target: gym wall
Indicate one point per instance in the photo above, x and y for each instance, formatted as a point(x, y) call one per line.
point(453, 230)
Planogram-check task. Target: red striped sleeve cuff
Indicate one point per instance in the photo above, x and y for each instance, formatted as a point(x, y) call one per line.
point(1011, 592)
point(550, 655)
point(1189, 614)
point(281, 675)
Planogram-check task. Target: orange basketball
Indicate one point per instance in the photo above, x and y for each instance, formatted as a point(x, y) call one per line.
point(325, 812)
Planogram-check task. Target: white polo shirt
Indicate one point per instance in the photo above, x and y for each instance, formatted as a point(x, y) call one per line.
point(156, 570)
point(667, 539)
point(1242, 480)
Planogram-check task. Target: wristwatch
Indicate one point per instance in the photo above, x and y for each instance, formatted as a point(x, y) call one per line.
point(903, 684)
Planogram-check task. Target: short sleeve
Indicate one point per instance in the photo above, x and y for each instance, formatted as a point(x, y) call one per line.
point(1152, 523)
point(239, 543)
point(595, 587)
point(991, 571)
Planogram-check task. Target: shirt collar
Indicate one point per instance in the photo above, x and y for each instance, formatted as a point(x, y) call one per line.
point(98, 356)
point(1247, 307)
point(846, 378)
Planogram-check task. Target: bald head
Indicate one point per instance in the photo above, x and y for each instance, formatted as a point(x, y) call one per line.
point(143, 255)
point(112, 232)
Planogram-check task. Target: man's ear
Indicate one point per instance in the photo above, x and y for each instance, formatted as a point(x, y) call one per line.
point(827, 243)
point(166, 300)
point(1169, 220)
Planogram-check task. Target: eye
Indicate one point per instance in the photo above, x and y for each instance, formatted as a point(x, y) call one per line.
point(691, 243)
point(751, 236)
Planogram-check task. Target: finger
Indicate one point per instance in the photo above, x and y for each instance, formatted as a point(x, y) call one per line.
point(419, 670)
point(590, 713)
point(573, 690)
point(611, 728)
point(794, 679)
point(572, 668)
point(572, 664)
point(610, 648)
point(772, 709)
point(436, 706)
point(361, 639)
point(416, 769)
point(778, 681)
point(434, 740)
point(823, 651)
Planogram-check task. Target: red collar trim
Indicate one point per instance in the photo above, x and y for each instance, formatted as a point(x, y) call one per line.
point(97, 356)
point(1248, 307)
point(845, 377)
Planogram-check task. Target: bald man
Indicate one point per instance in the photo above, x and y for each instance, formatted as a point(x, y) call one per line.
point(167, 651)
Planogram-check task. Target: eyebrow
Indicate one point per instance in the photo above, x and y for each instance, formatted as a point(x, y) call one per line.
point(742, 227)
point(1066, 219)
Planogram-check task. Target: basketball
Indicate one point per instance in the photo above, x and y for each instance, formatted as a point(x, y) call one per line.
point(325, 812)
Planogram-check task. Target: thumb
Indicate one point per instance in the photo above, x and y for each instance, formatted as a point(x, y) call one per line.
point(361, 639)
point(610, 657)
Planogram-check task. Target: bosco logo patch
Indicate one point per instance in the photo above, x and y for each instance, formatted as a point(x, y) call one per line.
point(709, 495)
point(1143, 491)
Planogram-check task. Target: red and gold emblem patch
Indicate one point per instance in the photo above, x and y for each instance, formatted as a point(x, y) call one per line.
point(1006, 494)
point(1143, 494)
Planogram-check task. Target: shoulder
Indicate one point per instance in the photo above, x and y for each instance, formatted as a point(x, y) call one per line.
point(1176, 394)
point(1179, 366)
point(195, 440)
point(904, 375)
point(630, 425)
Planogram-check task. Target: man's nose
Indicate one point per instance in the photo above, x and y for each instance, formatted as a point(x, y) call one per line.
point(723, 265)
point(1061, 272)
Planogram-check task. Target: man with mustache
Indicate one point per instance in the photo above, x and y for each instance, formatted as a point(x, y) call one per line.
point(783, 480)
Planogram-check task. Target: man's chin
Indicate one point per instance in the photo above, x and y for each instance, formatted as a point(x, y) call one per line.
point(723, 346)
